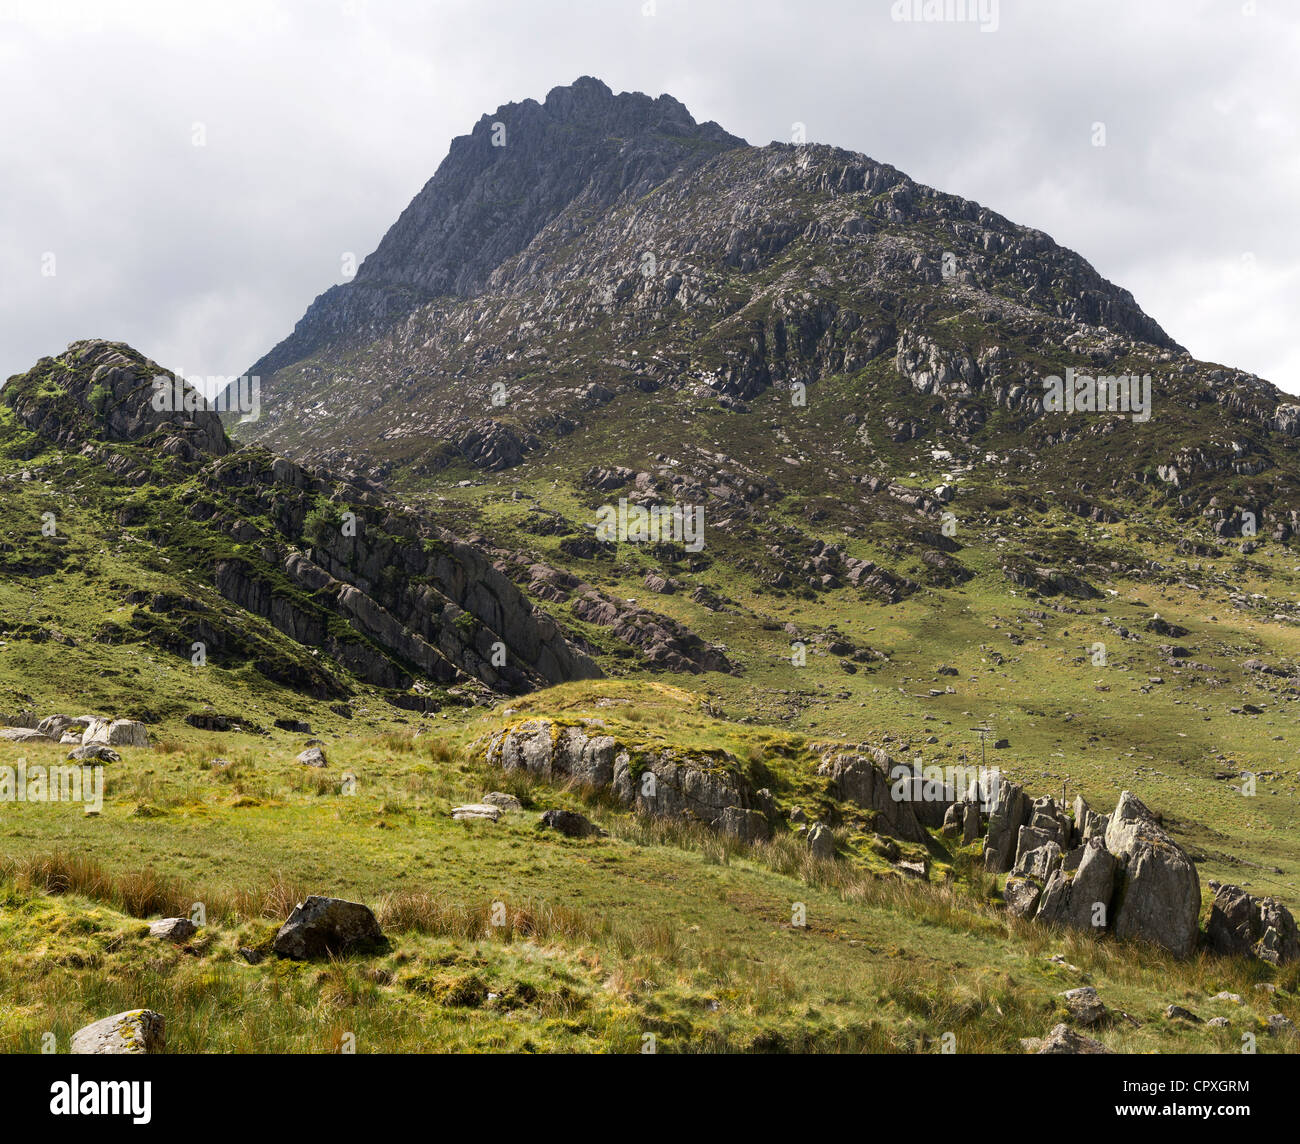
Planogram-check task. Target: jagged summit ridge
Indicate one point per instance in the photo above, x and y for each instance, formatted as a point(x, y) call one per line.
point(496, 189)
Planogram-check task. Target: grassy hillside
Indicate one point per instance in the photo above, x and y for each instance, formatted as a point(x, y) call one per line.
point(654, 929)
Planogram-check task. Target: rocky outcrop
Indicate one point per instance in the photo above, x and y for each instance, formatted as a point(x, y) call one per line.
point(1243, 925)
point(666, 783)
point(1009, 812)
point(415, 600)
point(1081, 899)
point(1158, 895)
point(861, 781)
point(1121, 872)
point(105, 391)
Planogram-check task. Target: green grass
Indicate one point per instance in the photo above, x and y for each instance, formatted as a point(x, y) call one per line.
point(655, 929)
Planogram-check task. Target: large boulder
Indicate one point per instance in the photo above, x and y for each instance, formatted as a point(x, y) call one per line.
point(118, 733)
point(134, 1032)
point(857, 779)
point(1081, 900)
point(1010, 811)
point(1244, 925)
point(746, 825)
point(321, 926)
point(569, 823)
point(821, 842)
point(1158, 893)
point(22, 735)
point(96, 752)
point(173, 929)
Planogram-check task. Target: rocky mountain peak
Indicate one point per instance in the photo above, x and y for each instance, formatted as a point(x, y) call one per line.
point(499, 186)
point(102, 390)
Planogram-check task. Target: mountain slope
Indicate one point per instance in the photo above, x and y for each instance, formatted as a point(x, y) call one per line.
point(844, 370)
point(187, 544)
point(579, 152)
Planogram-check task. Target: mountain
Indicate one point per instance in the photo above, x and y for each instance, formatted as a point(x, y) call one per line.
point(134, 509)
point(907, 526)
point(579, 153)
point(925, 652)
point(612, 249)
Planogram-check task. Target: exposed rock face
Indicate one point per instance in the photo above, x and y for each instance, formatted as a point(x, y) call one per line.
point(1009, 813)
point(857, 779)
point(554, 753)
point(105, 390)
point(1242, 924)
point(414, 598)
point(664, 642)
point(321, 926)
point(1081, 900)
point(383, 591)
point(583, 149)
point(137, 1031)
point(666, 784)
point(1158, 895)
point(1021, 896)
point(1037, 854)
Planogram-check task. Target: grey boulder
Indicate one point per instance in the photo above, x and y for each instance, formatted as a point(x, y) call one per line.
point(96, 752)
point(173, 929)
point(821, 842)
point(136, 1031)
point(321, 926)
point(1158, 893)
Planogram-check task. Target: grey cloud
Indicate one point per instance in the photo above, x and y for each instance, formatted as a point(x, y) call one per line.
point(323, 120)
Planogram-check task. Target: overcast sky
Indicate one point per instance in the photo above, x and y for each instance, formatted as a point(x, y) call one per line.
point(319, 121)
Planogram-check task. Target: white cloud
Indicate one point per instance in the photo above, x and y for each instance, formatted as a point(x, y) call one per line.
point(322, 120)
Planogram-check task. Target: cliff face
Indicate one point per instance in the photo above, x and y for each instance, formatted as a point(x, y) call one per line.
point(384, 592)
point(613, 266)
point(582, 150)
